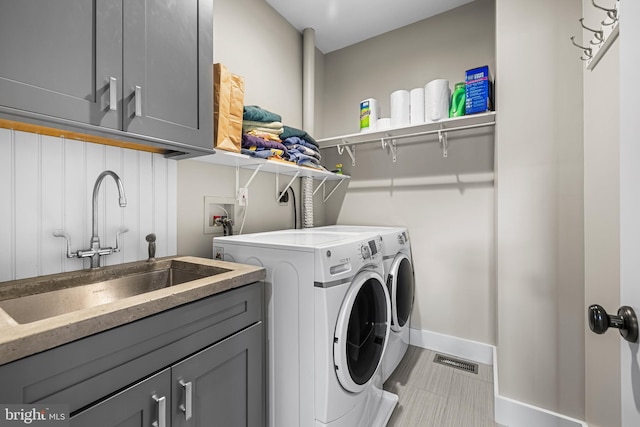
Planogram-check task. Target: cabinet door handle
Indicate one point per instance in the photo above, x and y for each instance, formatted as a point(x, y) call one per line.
point(187, 403)
point(138, 96)
point(113, 93)
point(162, 411)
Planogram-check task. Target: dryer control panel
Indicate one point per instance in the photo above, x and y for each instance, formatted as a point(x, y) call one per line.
point(370, 248)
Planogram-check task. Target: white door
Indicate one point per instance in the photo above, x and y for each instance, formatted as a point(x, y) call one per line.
point(630, 201)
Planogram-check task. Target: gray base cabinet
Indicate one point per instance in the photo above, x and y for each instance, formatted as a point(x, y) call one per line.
point(200, 364)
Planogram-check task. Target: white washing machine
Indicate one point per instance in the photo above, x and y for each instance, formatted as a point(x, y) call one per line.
point(328, 324)
point(399, 277)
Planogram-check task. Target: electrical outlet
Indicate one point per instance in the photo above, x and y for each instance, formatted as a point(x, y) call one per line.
point(243, 196)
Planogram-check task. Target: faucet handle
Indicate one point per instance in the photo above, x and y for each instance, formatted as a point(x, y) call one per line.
point(63, 234)
point(120, 231)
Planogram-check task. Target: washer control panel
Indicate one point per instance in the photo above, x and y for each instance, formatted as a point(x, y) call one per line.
point(370, 248)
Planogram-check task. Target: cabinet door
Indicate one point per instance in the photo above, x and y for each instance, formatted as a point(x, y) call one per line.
point(137, 406)
point(58, 57)
point(168, 55)
point(226, 380)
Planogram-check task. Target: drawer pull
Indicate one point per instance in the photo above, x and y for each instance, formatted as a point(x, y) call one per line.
point(162, 411)
point(187, 404)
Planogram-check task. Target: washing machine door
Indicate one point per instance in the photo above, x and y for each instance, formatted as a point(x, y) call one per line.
point(362, 331)
point(401, 287)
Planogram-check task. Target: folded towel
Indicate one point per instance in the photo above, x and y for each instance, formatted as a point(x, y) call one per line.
point(249, 141)
point(249, 128)
point(270, 125)
point(263, 153)
point(288, 132)
point(257, 114)
point(302, 149)
point(264, 135)
point(305, 147)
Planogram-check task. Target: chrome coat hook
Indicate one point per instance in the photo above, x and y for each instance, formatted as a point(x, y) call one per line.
point(587, 50)
point(612, 13)
point(598, 34)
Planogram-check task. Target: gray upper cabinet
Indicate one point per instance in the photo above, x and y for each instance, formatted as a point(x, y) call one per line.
point(163, 72)
point(135, 69)
point(58, 61)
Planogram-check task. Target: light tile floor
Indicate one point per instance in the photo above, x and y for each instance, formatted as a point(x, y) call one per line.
point(434, 395)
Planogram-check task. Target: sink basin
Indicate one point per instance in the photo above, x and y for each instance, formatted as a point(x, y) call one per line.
point(66, 293)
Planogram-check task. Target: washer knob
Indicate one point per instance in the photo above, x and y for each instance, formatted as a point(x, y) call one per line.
point(365, 251)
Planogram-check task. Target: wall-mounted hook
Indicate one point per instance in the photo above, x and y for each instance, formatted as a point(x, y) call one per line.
point(598, 34)
point(612, 13)
point(384, 143)
point(587, 50)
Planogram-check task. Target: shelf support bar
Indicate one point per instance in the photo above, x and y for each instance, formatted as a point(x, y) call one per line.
point(280, 193)
point(320, 186)
point(442, 137)
point(352, 153)
point(324, 200)
point(394, 149)
point(253, 175)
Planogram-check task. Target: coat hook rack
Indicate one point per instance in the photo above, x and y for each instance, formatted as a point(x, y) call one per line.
point(602, 38)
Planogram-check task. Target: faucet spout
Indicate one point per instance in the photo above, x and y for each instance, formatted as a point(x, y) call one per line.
point(122, 200)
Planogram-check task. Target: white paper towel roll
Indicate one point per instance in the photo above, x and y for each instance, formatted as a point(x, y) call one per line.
point(369, 112)
point(436, 100)
point(400, 106)
point(383, 123)
point(417, 106)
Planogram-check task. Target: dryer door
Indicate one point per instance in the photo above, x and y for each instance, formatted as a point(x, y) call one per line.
point(400, 283)
point(362, 331)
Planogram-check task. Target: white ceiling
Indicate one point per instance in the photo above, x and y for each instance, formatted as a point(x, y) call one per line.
point(340, 23)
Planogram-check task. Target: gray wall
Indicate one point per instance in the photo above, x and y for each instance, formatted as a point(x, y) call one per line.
point(447, 204)
point(602, 228)
point(254, 41)
point(539, 209)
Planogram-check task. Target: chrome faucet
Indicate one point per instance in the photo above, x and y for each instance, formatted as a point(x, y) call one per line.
point(96, 251)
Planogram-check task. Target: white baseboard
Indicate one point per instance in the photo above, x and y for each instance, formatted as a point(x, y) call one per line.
point(459, 347)
point(508, 412)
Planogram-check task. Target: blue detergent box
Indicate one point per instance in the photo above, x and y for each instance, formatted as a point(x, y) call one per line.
point(478, 90)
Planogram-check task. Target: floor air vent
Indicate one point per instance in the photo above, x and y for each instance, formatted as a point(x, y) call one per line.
point(456, 363)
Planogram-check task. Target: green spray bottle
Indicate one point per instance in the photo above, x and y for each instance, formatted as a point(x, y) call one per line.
point(458, 101)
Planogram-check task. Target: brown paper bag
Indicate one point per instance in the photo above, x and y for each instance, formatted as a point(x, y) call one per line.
point(228, 103)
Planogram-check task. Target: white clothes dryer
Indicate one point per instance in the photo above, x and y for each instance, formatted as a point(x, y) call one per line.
point(328, 324)
point(400, 280)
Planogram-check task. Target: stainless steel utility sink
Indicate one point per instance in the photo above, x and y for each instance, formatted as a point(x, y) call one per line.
point(69, 292)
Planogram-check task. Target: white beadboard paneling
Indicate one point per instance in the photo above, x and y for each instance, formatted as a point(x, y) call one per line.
point(114, 214)
point(52, 203)
point(27, 194)
point(6, 207)
point(145, 198)
point(172, 208)
point(75, 215)
point(160, 200)
point(131, 214)
point(47, 183)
